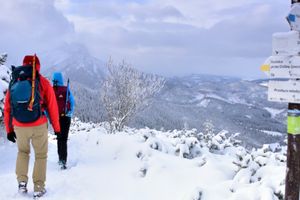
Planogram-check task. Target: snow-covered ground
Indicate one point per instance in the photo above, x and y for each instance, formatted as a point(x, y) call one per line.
point(274, 112)
point(273, 133)
point(147, 164)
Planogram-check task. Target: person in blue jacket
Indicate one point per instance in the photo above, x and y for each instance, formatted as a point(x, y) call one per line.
point(66, 103)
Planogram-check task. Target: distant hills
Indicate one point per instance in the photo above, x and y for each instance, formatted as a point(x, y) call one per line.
point(193, 101)
point(227, 103)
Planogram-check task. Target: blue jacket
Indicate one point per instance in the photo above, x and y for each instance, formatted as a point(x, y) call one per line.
point(57, 78)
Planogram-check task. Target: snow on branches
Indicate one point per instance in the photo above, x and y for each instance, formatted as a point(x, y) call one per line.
point(3, 58)
point(4, 81)
point(127, 91)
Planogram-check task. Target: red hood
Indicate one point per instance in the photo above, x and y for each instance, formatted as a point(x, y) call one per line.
point(28, 60)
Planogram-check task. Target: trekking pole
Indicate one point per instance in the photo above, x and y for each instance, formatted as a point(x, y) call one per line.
point(32, 83)
point(67, 96)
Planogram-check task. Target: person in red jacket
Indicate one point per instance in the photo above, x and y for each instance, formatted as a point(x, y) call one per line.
point(35, 131)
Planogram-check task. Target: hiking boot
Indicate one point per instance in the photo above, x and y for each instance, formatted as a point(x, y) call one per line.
point(62, 164)
point(23, 187)
point(39, 194)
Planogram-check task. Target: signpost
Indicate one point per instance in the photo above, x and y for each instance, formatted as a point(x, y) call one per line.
point(283, 67)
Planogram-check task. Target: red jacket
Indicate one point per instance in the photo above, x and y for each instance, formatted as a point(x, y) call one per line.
point(48, 102)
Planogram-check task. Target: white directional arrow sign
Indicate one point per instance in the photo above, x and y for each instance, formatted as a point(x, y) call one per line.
point(286, 43)
point(284, 67)
point(284, 91)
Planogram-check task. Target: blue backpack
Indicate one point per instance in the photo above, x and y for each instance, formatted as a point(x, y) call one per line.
point(20, 89)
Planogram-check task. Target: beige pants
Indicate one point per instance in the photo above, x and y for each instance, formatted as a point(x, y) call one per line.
point(38, 136)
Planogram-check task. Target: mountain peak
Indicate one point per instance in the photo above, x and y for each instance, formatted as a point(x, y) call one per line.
point(76, 63)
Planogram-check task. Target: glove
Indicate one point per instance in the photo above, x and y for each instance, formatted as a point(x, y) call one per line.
point(12, 137)
point(58, 135)
point(69, 114)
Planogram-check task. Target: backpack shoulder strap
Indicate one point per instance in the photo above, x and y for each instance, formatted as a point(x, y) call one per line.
point(33, 84)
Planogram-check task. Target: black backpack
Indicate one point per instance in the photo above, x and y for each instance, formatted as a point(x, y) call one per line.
point(20, 89)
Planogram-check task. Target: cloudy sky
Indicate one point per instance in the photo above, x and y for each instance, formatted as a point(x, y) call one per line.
point(168, 37)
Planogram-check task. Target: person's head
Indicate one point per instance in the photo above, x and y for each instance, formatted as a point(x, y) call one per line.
point(57, 79)
point(29, 59)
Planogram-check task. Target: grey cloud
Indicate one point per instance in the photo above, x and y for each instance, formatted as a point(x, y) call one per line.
point(140, 12)
point(154, 37)
point(181, 48)
point(31, 26)
point(236, 36)
point(156, 13)
point(242, 36)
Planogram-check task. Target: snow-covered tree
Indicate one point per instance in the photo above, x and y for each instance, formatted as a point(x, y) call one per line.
point(3, 58)
point(4, 81)
point(127, 91)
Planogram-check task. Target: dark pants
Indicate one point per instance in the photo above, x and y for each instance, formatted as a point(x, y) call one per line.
point(62, 146)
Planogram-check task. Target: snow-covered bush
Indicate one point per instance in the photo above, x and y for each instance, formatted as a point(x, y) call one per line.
point(255, 167)
point(221, 141)
point(242, 158)
point(218, 142)
point(77, 126)
point(187, 143)
point(188, 147)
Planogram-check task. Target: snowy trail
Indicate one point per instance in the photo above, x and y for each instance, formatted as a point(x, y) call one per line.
point(123, 166)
